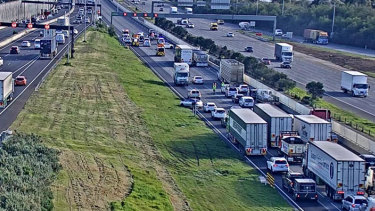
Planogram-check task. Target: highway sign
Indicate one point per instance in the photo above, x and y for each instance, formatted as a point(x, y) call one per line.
point(29, 25)
point(14, 24)
point(46, 26)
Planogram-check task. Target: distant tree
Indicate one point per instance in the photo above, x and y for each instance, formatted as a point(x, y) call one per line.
point(315, 89)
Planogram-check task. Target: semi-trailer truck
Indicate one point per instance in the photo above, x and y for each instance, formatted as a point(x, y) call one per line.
point(249, 130)
point(183, 53)
point(342, 171)
point(354, 82)
point(6, 88)
point(277, 121)
point(283, 52)
point(315, 36)
point(231, 71)
point(181, 75)
point(200, 58)
point(312, 128)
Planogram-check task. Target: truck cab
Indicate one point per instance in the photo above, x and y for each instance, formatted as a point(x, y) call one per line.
point(181, 75)
point(304, 189)
point(214, 27)
point(288, 180)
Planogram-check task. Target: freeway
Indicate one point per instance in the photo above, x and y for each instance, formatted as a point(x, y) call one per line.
point(28, 64)
point(305, 68)
point(163, 67)
point(8, 32)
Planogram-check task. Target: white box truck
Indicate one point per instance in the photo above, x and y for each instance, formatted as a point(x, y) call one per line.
point(277, 121)
point(283, 52)
point(181, 74)
point(231, 71)
point(354, 82)
point(6, 88)
point(183, 53)
point(249, 130)
point(342, 171)
point(312, 128)
point(200, 58)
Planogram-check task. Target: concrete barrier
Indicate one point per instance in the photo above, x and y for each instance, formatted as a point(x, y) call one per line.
point(26, 31)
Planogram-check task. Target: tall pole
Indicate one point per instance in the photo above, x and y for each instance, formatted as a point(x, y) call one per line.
point(84, 32)
point(69, 31)
point(333, 18)
point(282, 11)
point(256, 13)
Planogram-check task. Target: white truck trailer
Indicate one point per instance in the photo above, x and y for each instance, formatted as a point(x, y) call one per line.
point(183, 53)
point(6, 88)
point(342, 171)
point(200, 58)
point(277, 121)
point(292, 147)
point(312, 128)
point(249, 130)
point(231, 71)
point(181, 74)
point(283, 52)
point(354, 82)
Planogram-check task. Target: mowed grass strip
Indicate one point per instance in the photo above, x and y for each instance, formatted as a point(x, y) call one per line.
point(210, 175)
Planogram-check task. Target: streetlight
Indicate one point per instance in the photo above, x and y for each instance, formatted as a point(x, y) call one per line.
point(84, 32)
point(333, 18)
point(282, 11)
point(256, 13)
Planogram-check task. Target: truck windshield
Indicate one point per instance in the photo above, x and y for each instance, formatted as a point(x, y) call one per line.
point(287, 54)
point(307, 187)
point(182, 74)
point(360, 86)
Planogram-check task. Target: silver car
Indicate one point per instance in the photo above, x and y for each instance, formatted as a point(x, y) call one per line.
point(354, 203)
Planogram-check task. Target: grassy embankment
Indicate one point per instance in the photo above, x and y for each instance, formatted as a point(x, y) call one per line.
point(120, 129)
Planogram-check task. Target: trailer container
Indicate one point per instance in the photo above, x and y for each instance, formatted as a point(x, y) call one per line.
point(231, 71)
point(6, 88)
point(312, 128)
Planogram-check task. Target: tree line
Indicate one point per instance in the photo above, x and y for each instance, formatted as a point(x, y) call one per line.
point(354, 19)
point(27, 169)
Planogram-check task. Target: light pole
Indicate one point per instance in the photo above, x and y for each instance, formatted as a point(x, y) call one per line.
point(256, 13)
point(84, 32)
point(282, 10)
point(333, 18)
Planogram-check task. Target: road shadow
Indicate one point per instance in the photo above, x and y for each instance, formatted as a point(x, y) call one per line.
point(338, 94)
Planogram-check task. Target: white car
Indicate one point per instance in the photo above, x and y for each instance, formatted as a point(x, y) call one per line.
point(230, 91)
point(26, 44)
point(87, 20)
point(224, 88)
point(209, 107)
point(277, 164)
point(230, 34)
point(75, 31)
point(278, 32)
point(147, 42)
point(354, 203)
point(188, 102)
point(194, 93)
point(218, 113)
point(37, 44)
point(197, 80)
point(1, 61)
point(243, 88)
point(168, 45)
point(246, 102)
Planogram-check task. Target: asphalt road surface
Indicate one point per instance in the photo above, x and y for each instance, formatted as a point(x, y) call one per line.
point(28, 64)
point(305, 68)
point(164, 68)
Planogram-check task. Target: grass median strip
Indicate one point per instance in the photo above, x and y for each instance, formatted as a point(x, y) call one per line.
point(126, 144)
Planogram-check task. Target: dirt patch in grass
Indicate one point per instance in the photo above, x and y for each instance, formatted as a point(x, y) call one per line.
point(356, 63)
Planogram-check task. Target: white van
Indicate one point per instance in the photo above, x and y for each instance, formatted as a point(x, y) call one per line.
point(37, 44)
point(60, 38)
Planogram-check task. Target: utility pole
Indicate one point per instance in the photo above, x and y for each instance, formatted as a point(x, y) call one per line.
point(333, 18)
point(84, 32)
point(256, 13)
point(282, 11)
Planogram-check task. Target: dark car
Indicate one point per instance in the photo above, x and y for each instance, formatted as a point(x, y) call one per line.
point(14, 50)
point(369, 160)
point(304, 189)
point(285, 65)
point(288, 180)
point(236, 98)
point(249, 49)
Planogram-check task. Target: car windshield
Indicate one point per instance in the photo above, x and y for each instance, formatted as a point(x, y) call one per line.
point(360, 201)
point(14, 48)
point(360, 86)
point(232, 89)
point(19, 79)
point(307, 187)
point(280, 162)
point(197, 77)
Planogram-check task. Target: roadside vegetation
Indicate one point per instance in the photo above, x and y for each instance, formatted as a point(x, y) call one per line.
point(269, 77)
point(27, 169)
point(126, 144)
